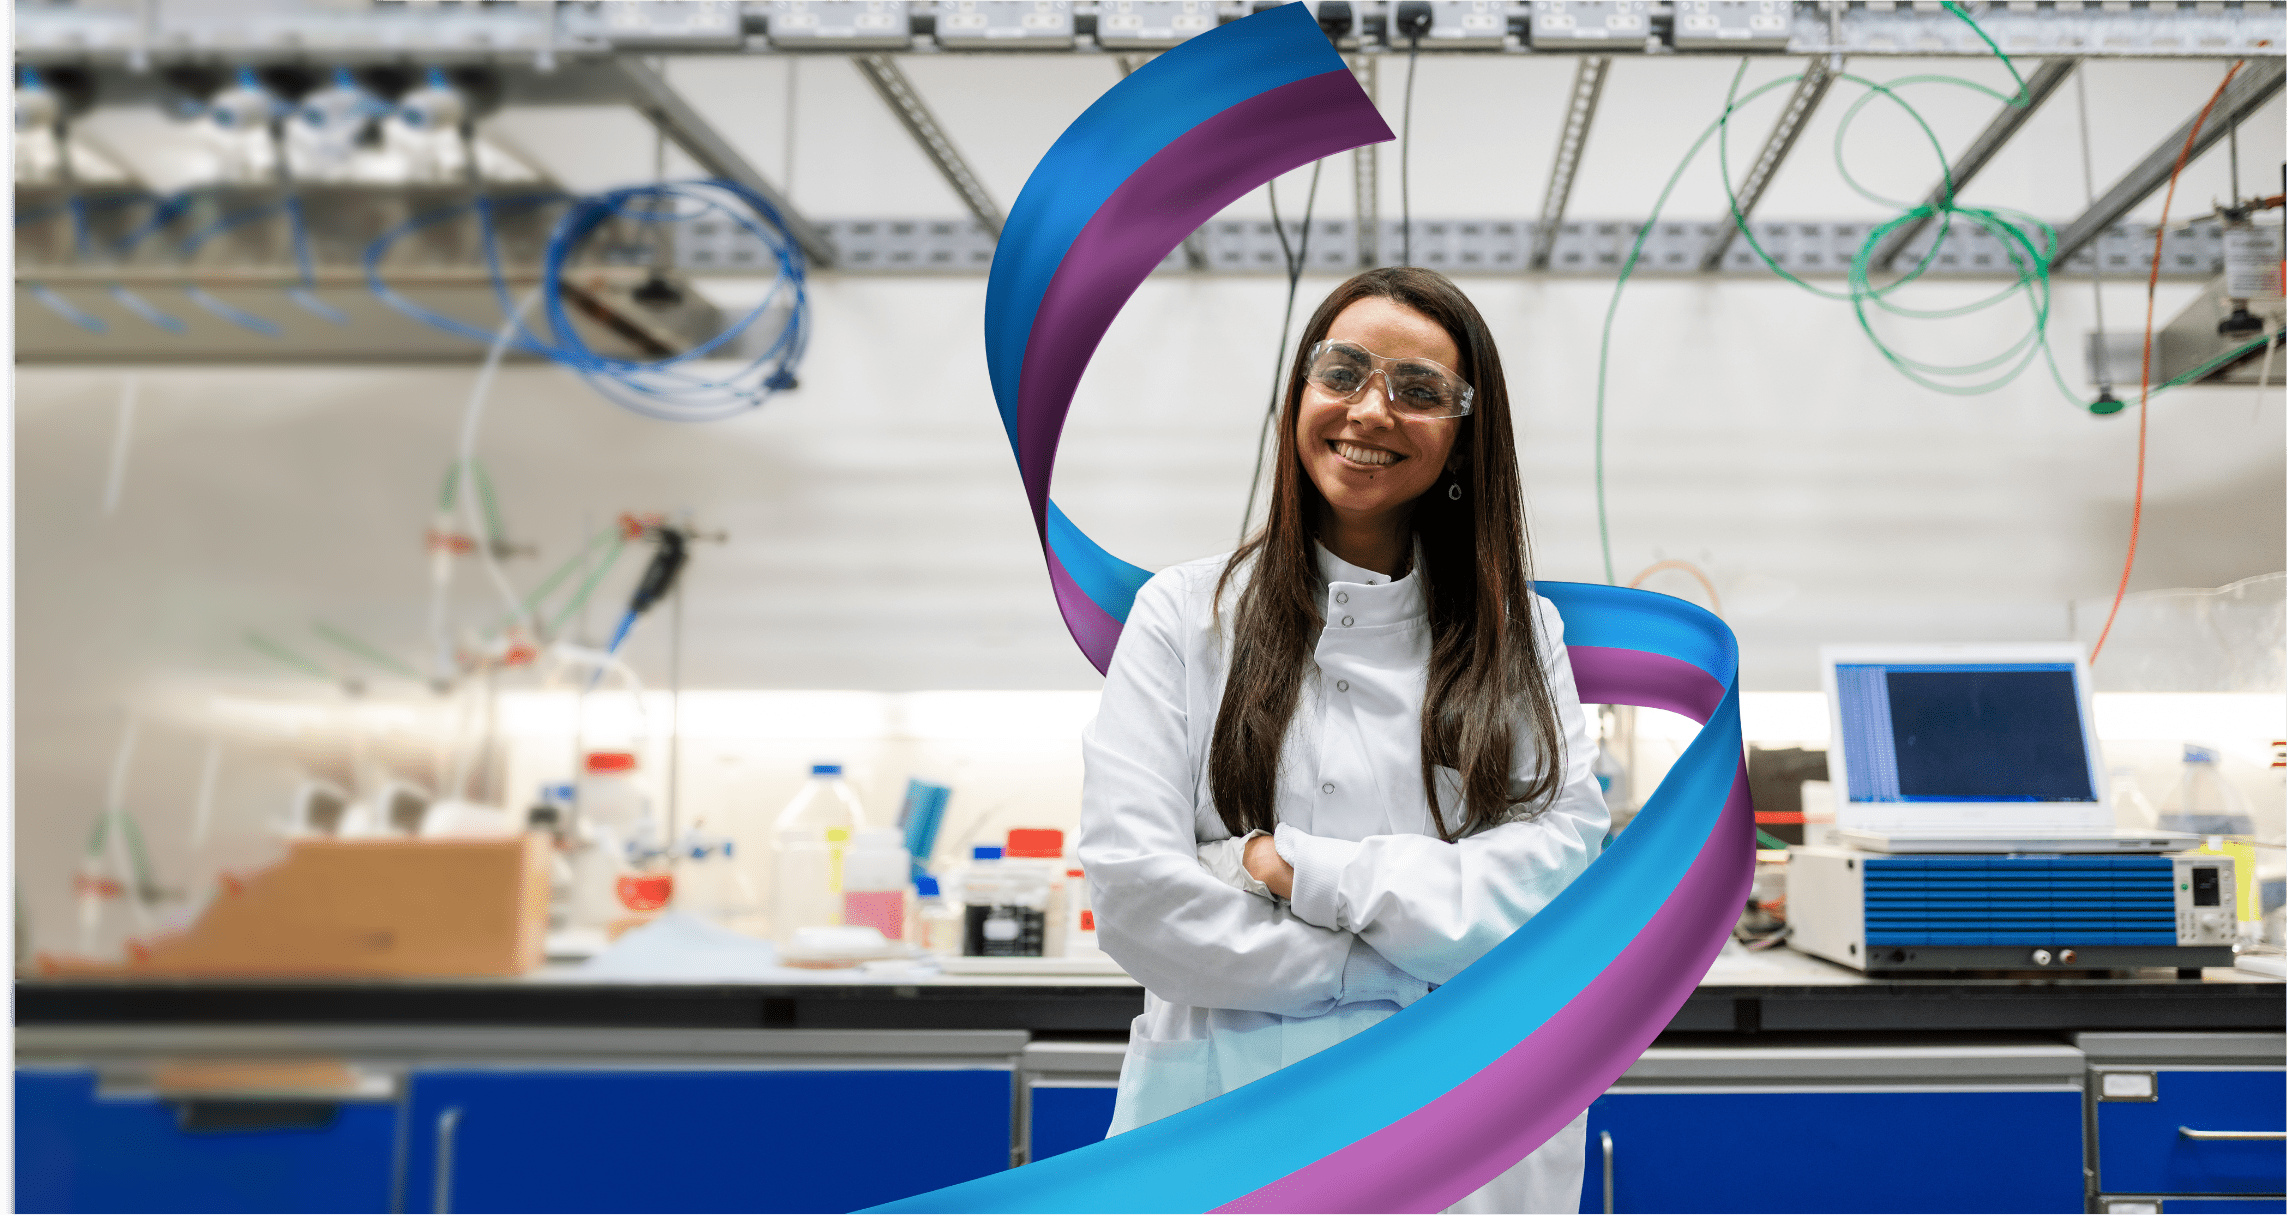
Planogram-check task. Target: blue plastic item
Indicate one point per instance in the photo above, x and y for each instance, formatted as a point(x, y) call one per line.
point(922, 815)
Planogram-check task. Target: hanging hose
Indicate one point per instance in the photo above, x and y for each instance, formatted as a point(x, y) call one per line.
point(673, 388)
point(2144, 384)
point(2029, 256)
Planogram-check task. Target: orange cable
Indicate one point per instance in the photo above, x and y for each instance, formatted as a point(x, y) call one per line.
point(2144, 386)
point(1714, 602)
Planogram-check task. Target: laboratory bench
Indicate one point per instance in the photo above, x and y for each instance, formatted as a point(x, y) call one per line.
point(1785, 1083)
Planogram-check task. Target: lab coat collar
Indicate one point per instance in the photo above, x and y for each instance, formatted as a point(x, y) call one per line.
point(1364, 597)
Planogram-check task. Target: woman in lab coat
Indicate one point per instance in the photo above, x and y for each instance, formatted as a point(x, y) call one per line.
point(1337, 766)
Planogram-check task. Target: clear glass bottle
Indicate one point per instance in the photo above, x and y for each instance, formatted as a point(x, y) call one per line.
point(936, 919)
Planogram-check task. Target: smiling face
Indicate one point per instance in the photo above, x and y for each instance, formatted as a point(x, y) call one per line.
point(1369, 463)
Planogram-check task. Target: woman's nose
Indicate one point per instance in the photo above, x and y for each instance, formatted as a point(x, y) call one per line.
point(1371, 406)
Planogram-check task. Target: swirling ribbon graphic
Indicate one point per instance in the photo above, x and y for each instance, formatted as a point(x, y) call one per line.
point(1170, 146)
point(1427, 1106)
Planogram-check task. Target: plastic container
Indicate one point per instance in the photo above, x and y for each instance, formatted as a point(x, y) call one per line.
point(1039, 851)
point(875, 872)
point(936, 919)
point(1079, 917)
point(611, 792)
point(2203, 801)
point(1006, 912)
point(809, 838)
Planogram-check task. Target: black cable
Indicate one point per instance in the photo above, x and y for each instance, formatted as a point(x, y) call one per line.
point(1405, 155)
point(1296, 261)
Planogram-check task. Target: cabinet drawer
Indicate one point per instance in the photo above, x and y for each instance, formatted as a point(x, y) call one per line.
point(699, 1140)
point(2141, 1148)
point(1829, 1151)
point(1068, 1116)
point(78, 1150)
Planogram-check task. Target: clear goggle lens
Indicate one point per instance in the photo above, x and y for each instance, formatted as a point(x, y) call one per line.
point(1415, 387)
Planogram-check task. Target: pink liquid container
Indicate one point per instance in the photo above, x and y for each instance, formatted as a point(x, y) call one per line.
point(875, 869)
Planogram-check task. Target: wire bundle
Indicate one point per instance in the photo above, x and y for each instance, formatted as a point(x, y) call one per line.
point(682, 387)
point(2029, 242)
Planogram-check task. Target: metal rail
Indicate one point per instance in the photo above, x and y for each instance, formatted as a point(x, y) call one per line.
point(1365, 173)
point(1579, 116)
point(2256, 84)
point(1817, 78)
point(651, 95)
point(898, 93)
point(544, 36)
point(1980, 153)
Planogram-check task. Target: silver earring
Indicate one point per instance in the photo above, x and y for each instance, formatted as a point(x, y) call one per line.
point(1454, 492)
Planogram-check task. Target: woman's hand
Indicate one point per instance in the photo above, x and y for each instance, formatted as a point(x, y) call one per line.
point(1269, 868)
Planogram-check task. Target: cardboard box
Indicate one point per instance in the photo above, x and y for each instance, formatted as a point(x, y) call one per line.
point(362, 908)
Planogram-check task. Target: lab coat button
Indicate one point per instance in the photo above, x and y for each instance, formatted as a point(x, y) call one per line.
point(1341, 596)
point(1328, 787)
point(1341, 685)
point(1347, 621)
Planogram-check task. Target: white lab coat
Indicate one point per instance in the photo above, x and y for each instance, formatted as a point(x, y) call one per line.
point(1238, 984)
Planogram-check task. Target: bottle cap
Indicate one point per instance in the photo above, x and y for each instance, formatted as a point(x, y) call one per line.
point(611, 761)
point(825, 769)
point(985, 852)
point(925, 887)
point(1036, 842)
point(837, 835)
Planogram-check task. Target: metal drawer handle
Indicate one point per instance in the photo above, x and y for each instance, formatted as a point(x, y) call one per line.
point(448, 1123)
point(2189, 1133)
point(1606, 1138)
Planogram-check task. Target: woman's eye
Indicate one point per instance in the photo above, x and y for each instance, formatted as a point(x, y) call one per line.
point(1341, 379)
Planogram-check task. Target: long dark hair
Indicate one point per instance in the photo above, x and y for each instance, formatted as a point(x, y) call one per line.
point(1475, 577)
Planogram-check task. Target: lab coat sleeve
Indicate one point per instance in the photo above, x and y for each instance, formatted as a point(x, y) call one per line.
point(1187, 936)
point(1432, 907)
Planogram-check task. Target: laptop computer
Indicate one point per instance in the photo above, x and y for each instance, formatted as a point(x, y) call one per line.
point(1970, 748)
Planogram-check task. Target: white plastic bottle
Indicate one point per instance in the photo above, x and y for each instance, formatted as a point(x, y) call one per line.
point(611, 793)
point(875, 871)
point(810, 835)
point(1079, 917)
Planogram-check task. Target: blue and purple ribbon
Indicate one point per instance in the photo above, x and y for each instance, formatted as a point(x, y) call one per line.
point(1163, 152)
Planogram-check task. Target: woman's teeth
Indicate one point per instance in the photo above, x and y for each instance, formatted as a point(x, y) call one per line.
point(1364, 455)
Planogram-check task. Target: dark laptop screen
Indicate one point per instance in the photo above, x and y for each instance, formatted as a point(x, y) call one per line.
point(1963, 732)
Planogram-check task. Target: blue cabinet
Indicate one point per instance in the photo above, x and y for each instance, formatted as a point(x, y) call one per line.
point(2142, 1147)
point(78, 1149)
point(1867, 1151)
point(713, 1140)
point(1068, 1116)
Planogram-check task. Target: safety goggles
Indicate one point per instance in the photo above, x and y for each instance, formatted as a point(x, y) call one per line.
point(1416, 388)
